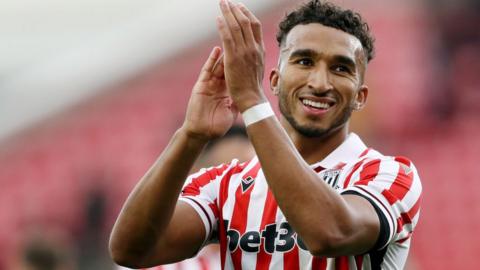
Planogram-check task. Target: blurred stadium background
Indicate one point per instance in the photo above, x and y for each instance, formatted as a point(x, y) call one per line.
point(90, 92)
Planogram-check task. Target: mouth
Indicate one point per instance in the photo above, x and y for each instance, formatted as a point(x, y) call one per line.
point(317, 105)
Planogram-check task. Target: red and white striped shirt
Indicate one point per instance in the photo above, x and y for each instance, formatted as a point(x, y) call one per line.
point(238, 210)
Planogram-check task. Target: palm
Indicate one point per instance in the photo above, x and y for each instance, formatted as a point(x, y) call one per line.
point(210, 111)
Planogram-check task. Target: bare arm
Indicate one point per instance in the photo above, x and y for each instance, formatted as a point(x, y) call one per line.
point(145, 224)
point(152, 227)
point(329, 224)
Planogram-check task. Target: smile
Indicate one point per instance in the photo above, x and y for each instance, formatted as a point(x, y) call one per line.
point(316, 104)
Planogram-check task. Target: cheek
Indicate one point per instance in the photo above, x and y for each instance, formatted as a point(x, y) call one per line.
point(347, 88)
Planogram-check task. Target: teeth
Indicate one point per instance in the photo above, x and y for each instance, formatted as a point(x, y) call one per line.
point(318, 105)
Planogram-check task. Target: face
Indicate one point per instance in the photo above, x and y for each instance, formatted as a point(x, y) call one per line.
point(319, 79)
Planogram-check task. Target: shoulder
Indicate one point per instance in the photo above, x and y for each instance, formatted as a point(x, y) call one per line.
point(374, 162)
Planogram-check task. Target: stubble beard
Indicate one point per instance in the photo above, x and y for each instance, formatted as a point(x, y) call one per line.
point(315, 132)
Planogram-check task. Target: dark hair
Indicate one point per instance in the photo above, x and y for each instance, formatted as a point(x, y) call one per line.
point(234, 132)
point(328, 14)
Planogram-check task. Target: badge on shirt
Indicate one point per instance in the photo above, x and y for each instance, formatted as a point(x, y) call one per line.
point(247, 183)
point(331, 177)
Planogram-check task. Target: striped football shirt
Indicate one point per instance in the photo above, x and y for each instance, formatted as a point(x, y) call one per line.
point(240, 212)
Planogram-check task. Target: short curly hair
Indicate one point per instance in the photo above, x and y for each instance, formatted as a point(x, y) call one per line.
point(328, 14)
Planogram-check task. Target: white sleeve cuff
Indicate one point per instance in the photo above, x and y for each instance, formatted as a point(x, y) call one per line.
point(206, 215)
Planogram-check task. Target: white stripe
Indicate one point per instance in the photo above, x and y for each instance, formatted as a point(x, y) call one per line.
point(235, 181)
point(305, 259)
point(330, 263)
point(277, 257)
point(256, 207)
point(207, 192)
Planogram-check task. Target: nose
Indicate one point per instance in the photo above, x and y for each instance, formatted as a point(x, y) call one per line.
point(319, 79)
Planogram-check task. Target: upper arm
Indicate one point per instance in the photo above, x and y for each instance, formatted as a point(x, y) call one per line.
point(194, 220)
point(386, 192)
point(183, 238)
point(365, 226)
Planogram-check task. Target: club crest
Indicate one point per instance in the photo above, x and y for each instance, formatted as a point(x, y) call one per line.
point(331, 177)
point(247, 183)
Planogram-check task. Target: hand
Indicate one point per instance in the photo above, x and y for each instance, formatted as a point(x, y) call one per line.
point(241, 35)
point(210, 111)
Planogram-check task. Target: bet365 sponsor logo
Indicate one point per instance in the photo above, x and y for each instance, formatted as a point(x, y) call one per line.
point(276, 238)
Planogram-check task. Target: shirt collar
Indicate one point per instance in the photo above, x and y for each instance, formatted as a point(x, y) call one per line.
point(346, 152)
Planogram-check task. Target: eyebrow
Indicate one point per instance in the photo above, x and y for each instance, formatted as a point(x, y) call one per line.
point(312, 53)
point(345, 60)
point(303, 53)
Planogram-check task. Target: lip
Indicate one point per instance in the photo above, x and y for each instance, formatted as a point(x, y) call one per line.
point(315, 112)
point(328, 100)
point(310, 111)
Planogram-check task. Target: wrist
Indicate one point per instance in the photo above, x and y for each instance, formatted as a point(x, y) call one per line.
point(245, 103)
point(194, 140)
point(257, 113)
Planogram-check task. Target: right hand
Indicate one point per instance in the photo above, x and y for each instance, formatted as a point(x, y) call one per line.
point(210, 112)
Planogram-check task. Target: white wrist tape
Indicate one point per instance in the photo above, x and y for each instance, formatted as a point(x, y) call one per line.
point(257, 113)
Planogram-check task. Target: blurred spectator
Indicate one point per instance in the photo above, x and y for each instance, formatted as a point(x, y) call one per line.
point(92, 242)
point(234, 144)
point(44, 251)
point(456, 84)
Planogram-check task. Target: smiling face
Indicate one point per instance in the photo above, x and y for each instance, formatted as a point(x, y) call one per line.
point(319, 80)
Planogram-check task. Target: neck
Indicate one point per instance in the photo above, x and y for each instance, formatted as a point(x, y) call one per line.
point(314, 149)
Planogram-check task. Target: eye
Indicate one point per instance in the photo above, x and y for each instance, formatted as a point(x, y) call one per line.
point(305, 62)
point(341, 68)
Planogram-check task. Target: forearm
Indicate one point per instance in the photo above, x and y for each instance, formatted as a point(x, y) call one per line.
point(149, 208)
point(316, 212)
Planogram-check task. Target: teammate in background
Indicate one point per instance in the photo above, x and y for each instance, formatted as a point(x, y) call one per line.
point(314, 196)
point(234, 144)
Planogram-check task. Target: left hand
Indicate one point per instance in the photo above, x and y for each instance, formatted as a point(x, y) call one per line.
point(241, 35)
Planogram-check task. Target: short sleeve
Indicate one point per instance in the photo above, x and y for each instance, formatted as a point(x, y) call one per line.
point(393, 187)
point(201, 192)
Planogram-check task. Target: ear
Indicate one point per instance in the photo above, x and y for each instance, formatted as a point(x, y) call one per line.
point(361, 97)
point(274, 76)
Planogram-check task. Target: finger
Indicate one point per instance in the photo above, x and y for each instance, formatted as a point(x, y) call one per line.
point(225, 35)
point(256, 25)
point(218, 69)
point(244, 23)
point(231, 22)
point(208, 67)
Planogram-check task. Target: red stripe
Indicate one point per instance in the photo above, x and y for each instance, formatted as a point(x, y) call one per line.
point(214, 208)
point(291, 259)
point(414, 210)
point(341, 263)
point(406, 218)
point(405, 238)
point(223, 195)
point(403, 160)
point(203, 263)
point(365, 152)
point(340, 166)
point(269, 216)
point(402, 184)
point(193, 189)
point(389, 196)
point(355, 168)
point(319, 263)
point(399, 188)
point(359, 262)
point(369, 172)
point(239, 215)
